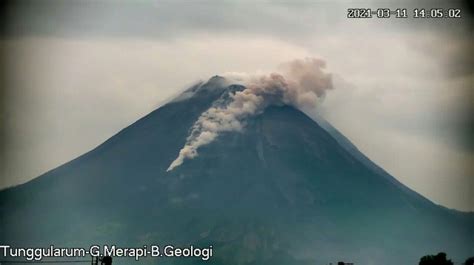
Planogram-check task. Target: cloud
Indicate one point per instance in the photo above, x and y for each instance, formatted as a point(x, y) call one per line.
point(78, 73)
point(66, 96)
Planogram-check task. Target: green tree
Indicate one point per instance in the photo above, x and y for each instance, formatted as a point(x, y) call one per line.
point(469, 261)
point(439, 259)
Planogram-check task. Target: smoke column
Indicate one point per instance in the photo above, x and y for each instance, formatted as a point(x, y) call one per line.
point(299, 83)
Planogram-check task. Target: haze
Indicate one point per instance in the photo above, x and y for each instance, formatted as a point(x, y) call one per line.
point(77, 73)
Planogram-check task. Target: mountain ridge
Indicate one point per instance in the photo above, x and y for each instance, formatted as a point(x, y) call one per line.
point(274, 193)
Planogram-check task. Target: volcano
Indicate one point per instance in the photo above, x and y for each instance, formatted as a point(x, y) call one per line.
point(287, 189)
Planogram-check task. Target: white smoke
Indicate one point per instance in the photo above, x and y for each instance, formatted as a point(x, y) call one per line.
point(299, 83)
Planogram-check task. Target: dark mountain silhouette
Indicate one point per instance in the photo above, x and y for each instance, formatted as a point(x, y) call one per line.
point(286, 190)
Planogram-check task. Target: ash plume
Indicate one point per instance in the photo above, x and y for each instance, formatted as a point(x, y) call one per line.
point(299, 83)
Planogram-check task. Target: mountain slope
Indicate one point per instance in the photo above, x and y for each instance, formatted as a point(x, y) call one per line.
point(283, 191)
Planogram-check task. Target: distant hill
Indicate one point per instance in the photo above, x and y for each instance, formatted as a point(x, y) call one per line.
point(285, 190)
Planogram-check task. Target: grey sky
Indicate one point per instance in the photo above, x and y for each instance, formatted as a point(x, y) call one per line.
point(77, 72)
